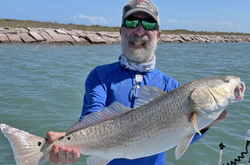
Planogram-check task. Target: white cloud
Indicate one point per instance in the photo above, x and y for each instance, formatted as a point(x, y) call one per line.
point(92, 20)
point(222, 24)
point(227, 23)
point(203, 23)
point(173, 21)
point(225, 26)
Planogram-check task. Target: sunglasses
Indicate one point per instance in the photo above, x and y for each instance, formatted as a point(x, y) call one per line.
point(147, 23)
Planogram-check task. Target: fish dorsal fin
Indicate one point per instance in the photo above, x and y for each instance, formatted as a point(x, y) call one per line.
point(148, 94)
point(112, 111)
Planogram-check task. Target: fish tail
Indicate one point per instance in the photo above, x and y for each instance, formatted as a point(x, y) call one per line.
point(27, 148)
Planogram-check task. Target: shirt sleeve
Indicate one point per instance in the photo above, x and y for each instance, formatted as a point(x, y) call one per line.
point(95, 94)
point(198, 136)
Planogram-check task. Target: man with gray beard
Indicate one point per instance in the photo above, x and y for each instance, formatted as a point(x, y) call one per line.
point(120, 81)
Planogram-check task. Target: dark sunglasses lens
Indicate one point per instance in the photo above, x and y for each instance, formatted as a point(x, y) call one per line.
point(148, 25)
point(131, 24)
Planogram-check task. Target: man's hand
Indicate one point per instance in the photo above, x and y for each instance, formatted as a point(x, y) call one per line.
point(222, 116)
point(61, 154)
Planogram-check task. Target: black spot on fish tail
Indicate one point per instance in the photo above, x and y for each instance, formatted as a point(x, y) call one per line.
point(39, 144)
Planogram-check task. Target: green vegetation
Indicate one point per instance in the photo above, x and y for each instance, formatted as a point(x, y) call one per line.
point(13, 23)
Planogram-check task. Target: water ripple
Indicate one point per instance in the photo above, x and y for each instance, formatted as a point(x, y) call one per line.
point(42, 88)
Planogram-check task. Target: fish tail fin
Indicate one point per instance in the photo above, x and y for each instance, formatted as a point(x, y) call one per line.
point(27, 148)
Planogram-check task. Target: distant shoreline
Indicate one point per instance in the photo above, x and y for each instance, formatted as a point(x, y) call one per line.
point(79, 37)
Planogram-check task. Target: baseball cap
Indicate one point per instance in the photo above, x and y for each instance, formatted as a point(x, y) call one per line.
point(146, 6)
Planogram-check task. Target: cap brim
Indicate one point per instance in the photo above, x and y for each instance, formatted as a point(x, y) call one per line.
point(132, 11)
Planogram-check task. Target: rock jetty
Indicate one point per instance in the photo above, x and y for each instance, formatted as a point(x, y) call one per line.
point(63, 36)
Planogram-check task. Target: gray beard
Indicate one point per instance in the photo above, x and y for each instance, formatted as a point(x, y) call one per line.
point(138, 55)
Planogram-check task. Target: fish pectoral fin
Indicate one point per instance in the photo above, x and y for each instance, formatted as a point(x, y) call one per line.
point(194, 121)
point(97, 161)
point(182, 146)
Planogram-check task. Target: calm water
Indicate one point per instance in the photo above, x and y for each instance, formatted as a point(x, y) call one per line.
point(42, 86)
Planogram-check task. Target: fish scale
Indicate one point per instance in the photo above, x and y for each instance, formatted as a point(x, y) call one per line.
point(158, 122)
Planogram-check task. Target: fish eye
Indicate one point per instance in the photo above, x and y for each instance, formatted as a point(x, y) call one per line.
point(226, 80)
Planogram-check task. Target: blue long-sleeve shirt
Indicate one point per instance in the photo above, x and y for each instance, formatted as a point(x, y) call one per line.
point(109, 83)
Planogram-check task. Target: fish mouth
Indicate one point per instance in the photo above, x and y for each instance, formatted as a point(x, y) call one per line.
point(239, 91)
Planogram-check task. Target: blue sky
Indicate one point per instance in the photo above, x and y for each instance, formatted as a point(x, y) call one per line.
point(196, 15)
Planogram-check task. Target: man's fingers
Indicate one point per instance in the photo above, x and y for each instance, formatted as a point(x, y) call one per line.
point(53, 154)
point(223, 115)
point(62, 156)
point(52, 136)
point(70, 157)
point(77, 155)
